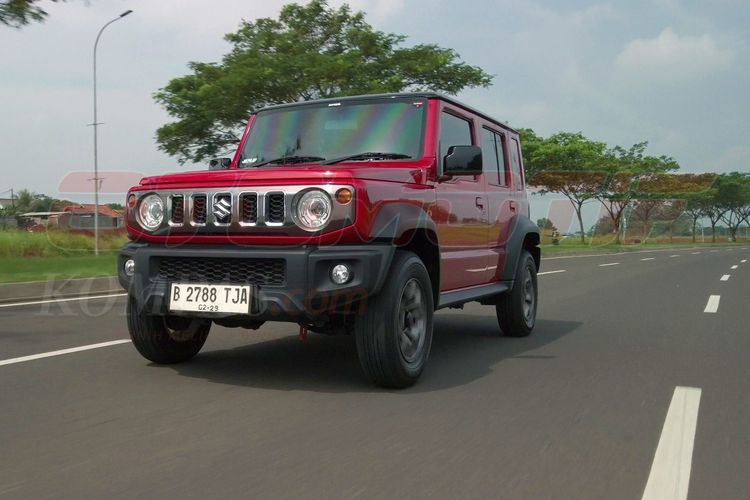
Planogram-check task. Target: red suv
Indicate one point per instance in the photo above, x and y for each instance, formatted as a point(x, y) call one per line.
point(358, 216)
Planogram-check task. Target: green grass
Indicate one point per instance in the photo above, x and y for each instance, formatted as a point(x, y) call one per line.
point(17, 269)
point(569, 246)
point(54, 243)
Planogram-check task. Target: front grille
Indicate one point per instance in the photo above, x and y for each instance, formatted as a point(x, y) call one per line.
point(199, 208)
point(249, 208)
point(222, 208)
point(178, 209)
point(270, 272)
point(275, 208)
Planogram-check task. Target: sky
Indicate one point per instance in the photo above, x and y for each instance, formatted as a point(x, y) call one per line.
point(675, 73)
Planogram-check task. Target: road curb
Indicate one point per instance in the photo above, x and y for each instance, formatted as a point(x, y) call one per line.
point(58, 289)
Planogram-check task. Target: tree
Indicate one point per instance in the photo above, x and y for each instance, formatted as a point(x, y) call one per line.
point(566, 163)
point(696, 206)
point(644, 212)
point(733, 194)
point(670, 211)
point(627, 167)
point(17, 13)
point(311, 51)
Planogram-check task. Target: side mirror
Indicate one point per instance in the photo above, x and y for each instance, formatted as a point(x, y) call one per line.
point(463, 160)
point(219, 163)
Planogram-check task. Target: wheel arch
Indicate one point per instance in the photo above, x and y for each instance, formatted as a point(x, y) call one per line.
point(524, 235)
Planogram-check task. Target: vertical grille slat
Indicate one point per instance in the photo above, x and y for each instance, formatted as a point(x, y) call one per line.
point(199, 208)
point(275, 208)
point(249, 208)
point(178, 209)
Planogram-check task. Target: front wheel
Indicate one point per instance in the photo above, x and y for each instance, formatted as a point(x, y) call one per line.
point(394, 334)
point(516, 308)
point(163, 339)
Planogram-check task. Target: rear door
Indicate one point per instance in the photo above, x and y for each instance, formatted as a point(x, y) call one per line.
point(500, 194)
point(461, 209)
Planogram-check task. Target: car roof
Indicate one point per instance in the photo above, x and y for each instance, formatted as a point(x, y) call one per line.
point(406, 95)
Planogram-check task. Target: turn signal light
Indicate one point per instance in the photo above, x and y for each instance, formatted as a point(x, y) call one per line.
point(344, 196)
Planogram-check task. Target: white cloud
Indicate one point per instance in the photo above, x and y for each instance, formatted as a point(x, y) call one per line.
point(672, 58)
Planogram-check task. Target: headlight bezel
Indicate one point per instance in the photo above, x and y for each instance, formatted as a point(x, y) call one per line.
point(155, 199)
point(297, 204)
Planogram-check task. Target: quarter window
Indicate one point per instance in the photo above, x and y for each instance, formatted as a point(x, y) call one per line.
point(493, 157)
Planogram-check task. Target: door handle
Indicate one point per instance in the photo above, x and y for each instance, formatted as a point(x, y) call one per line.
point(480, 203)
point(513, 206)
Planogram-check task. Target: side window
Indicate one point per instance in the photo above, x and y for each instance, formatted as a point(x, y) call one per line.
point(490, 163)
point(493, 154)
point(515, 164)
point(454, 131)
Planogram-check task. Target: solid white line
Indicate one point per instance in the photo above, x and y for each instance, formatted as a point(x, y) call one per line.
point(670, 471)
point(649, 258)
point(713, 304)
point(725, 278)
point(674, 255)
point(61, 352)
point(734, 266)
point(89, 297)
point(551, 272)
point(610, 264)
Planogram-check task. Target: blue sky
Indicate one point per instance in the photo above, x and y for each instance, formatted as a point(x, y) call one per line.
point(672, 72)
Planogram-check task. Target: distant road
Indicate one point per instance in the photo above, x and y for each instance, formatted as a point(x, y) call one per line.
point(634, 384)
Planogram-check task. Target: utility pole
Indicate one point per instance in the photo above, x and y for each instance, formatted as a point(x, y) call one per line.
point(96, 124)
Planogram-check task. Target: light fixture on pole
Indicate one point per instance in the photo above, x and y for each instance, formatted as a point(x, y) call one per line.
point(96, 124)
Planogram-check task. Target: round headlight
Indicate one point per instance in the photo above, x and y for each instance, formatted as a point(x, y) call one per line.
point(151, 212)
point(313, 210)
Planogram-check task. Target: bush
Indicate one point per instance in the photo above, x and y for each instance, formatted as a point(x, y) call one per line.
point(55, 243)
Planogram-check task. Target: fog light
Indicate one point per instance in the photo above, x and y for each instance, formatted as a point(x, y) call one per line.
point(129, 267)
point(340, 274)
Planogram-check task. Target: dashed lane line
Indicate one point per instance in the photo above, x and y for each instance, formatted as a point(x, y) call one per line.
point(649, 258)
point(725, 278)
point(696, 253)
point(50, 354)
point(734, 266)
point(673, 256)
point(670, 471)
point(743, 260)
point(609, 264)
point(713, 304)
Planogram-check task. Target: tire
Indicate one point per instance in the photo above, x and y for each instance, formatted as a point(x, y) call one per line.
point(165, 340)
point(516, 308)
point(394, 334)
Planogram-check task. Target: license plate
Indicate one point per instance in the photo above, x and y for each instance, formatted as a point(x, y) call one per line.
point(209, 298)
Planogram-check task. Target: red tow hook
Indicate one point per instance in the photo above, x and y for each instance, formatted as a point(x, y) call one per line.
point(302, 333)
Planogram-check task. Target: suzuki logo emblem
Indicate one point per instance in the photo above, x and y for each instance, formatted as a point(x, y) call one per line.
point(222, 208)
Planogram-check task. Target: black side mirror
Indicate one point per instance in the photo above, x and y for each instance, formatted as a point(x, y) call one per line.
point(219, 163)
point(463, 160)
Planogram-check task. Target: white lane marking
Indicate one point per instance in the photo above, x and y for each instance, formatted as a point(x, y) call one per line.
point(674, 256)
point(725, 278)
point(696, 253)
point(712, 251)
point(649, 258)
point(670, 471)
point(89, 297)
point(713, 304)
point(610, 264)
point(551, 272)
point(743, 260)
point(734, 266)
point(61, 352)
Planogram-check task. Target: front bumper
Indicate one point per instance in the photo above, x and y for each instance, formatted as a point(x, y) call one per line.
point(305, 294)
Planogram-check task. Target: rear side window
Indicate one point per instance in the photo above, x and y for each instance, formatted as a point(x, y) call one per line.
point(493, 157)
point(515, 164)
point(454, 131)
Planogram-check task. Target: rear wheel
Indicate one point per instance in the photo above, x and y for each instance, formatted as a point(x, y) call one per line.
point(163, 339)
point(516, 309)
point(394, 334)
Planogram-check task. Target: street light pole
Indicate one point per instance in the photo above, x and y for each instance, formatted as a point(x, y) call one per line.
point(96, 124)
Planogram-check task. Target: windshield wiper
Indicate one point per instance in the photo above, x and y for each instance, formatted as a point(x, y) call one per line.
point(370, 155)
point(283, 160)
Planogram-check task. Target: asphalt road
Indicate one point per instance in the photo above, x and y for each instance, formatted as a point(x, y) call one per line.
point(577, 410)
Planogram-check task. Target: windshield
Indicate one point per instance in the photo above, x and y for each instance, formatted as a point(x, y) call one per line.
point(336, 130)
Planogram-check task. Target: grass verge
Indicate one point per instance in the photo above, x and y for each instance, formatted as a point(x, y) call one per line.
point(17, 269)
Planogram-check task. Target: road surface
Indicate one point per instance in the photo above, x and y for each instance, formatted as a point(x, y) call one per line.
point(634, 385)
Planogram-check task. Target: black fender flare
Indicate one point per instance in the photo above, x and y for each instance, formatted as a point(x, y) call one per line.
point(520, 227)
point(394, 220)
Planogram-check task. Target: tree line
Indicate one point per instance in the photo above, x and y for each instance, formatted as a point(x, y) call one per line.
point(628, 180)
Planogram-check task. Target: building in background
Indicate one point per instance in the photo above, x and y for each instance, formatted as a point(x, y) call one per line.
point(82, 217)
